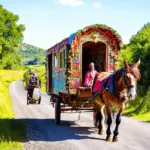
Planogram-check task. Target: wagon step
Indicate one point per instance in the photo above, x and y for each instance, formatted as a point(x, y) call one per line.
point(76, 109)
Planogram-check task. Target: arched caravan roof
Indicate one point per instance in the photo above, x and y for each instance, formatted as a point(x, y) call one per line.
point(107, 31)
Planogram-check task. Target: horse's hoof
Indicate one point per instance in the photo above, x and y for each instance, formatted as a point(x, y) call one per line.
point(108, 139)
point(115, 139)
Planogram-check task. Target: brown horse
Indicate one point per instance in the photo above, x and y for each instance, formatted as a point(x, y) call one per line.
point(125, 81)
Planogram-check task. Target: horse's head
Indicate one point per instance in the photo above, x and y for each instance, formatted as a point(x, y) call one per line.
point(130, 77)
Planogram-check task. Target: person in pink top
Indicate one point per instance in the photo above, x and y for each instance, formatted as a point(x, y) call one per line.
point(90, 75)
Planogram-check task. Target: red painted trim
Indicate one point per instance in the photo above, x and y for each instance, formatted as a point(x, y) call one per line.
point(106, 56)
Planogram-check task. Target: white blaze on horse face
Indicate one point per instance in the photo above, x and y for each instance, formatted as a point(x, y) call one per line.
point(132, 91)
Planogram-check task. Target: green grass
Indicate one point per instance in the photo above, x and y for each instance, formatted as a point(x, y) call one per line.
point(12, 130)
point(143, 117)
point(126, 111)
point(143, 114)
point(140, 116)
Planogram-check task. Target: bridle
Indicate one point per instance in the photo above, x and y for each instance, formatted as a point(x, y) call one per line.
point(128, 87)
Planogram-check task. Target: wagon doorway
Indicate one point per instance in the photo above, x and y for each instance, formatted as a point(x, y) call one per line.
point(96, 53)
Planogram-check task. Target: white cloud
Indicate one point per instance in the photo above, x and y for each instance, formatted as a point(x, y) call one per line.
point(73, 3)
point(96, 5)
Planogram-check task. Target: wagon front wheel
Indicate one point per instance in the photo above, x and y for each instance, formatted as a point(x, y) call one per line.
point(57, 111)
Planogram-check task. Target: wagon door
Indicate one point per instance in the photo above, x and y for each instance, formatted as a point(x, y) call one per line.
point(96, 53)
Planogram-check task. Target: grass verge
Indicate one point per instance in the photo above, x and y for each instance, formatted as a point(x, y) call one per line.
point(139, 108)
point(12, 131)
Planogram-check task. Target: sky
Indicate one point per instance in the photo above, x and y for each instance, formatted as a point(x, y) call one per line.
point(48, 22)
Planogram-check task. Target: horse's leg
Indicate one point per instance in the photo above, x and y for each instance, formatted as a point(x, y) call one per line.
point(109, 121)
point(118, 120)
point(101, 120)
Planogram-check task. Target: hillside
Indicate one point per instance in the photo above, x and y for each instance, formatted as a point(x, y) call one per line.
point(32, 55)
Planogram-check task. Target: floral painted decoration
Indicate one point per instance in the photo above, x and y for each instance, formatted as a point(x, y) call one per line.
point(68, 67)
point(116, 57)
point(71, 54)
point(100, 26)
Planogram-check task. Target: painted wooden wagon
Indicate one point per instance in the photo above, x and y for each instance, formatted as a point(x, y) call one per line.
point(67, 64)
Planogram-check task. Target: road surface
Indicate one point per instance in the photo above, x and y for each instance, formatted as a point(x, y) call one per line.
point(72, 134)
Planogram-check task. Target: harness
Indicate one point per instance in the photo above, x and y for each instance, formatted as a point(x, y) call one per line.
point(125, 81)
point(108, 81)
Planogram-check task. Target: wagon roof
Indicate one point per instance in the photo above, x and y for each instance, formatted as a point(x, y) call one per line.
point(102, 27)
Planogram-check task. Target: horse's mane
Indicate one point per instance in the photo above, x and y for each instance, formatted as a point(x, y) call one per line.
point(118, 72)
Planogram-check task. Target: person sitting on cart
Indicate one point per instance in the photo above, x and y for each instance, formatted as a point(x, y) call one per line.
point(34, 80)
point(90, 75)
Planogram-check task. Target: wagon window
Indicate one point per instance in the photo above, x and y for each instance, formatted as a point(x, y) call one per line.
point(62, 59)
point(56, 60)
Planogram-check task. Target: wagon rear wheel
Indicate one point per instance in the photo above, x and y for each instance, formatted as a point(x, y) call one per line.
point(57, 111)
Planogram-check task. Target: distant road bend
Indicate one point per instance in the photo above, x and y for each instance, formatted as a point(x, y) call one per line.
point(72, 134)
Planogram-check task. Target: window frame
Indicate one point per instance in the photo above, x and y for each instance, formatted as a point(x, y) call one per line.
point(62, 58)
point(54, 60)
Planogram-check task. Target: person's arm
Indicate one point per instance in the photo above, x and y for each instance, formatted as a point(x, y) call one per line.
point(96, 72)
point(86, 81)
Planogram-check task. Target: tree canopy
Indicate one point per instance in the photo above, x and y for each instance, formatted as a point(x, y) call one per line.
point(11, 34)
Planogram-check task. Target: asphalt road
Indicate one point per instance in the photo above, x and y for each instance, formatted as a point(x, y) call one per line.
point(72, 134)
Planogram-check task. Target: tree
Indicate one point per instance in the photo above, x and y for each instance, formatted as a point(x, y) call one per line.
point(11, 34)
point(139, 48)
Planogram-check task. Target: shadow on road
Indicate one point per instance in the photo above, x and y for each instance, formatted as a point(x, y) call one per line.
point(43, 130)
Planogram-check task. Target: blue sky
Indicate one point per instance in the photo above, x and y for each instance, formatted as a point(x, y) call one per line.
point(49, 21)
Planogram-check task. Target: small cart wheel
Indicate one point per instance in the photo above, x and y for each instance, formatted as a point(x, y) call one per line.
point(39, 100)
point(95, 118)
point(57, 111)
